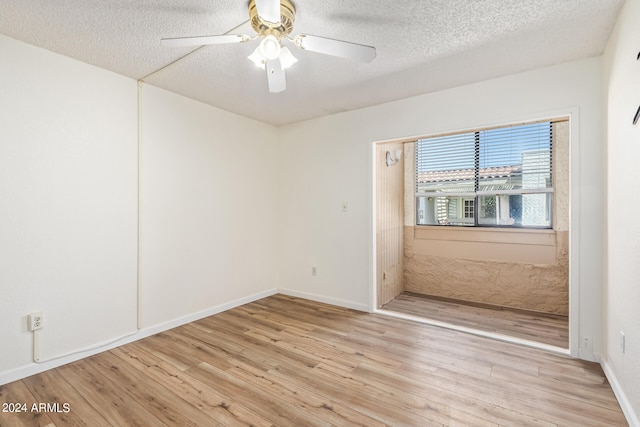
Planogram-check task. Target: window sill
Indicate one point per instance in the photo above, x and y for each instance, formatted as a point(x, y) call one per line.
point(522, 236)
point(529, 246)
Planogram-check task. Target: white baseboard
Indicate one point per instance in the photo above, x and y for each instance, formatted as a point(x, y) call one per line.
point(324, 299)
point(156, 329)
point(625, 404)
point(36, 368)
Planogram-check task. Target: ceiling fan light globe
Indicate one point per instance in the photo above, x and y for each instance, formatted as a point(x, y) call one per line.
point(270, 47)
point(286, 58)
point(257, 58)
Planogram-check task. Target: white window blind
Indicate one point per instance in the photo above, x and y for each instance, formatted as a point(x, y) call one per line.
point(515, 158)
point(507, 172)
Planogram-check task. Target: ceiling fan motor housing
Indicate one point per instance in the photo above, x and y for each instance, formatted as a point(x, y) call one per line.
point(287, 16)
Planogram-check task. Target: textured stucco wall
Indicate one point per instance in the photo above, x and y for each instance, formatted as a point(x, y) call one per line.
point(535, 287)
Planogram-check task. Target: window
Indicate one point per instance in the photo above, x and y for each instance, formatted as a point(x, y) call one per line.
point(499, 177)
point(469, 210)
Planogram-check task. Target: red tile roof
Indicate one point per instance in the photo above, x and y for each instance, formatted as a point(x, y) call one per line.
point(467, 174)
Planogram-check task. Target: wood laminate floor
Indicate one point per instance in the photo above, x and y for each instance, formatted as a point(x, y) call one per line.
point(290, 362)
point(547, 329)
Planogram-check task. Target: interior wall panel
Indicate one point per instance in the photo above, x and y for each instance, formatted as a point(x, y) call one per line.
point(68, 210)
point(207, 201)
point(621, 295)
point(389, 223)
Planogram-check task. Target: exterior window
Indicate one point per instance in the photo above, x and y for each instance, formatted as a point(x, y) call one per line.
point(469, 210)
point(499, 177)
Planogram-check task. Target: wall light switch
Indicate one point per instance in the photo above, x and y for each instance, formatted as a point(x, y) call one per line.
point(345, 207)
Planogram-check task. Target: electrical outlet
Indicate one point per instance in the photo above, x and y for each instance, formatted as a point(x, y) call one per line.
point(314, 272)
point(622, 342)
point(35, 320)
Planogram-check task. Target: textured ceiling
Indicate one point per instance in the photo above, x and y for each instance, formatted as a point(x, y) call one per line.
point(422, 46)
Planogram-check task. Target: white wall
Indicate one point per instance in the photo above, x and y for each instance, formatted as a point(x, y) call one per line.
point(622, 291)
point(328, 161)
point(68, 203)
point(207, 207)
point(324, 163)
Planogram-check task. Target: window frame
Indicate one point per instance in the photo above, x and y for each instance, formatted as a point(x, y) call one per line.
point(477, 194)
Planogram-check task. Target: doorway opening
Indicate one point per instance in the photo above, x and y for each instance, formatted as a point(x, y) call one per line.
point(458, 247)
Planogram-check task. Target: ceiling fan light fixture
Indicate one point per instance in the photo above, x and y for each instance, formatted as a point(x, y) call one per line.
point(286, 58)
point(270, 47)
point(257, 58)
point(267, 50)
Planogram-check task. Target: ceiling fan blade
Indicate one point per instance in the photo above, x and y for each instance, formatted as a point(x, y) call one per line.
point(269, 10)
point(275, 76)
point(204, 40)
point(340, 48)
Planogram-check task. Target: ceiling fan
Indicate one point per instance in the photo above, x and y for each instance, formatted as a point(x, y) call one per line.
point(273, 22)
